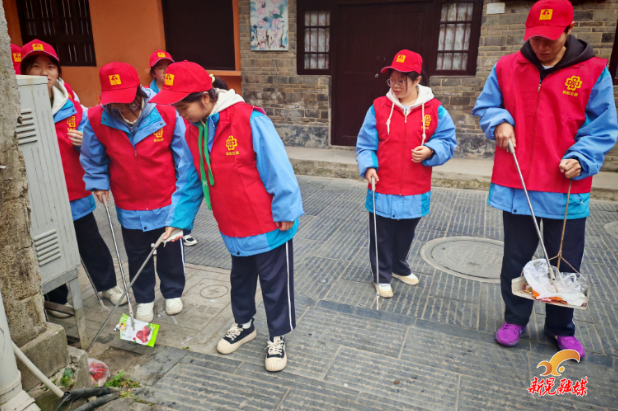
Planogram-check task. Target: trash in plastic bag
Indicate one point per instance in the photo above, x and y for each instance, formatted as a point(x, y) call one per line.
point(572, 287)
point(99, 373)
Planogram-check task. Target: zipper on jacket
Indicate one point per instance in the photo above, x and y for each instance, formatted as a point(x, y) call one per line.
point(403, 155)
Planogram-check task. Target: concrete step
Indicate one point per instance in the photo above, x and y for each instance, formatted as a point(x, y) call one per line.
point(457, 173)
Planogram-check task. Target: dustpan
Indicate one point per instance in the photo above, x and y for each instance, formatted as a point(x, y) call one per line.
point(519, 285)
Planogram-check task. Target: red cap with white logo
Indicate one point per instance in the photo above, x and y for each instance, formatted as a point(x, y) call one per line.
point(549, 19)
point(182, 79)
point(406, 61)
point(158, 56)
point(36, 47)
point(119, 83)
point(16, 57)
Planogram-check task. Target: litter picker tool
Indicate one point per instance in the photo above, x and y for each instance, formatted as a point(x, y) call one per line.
point(375, 236)
point(93, 287)
point(536, 223)
point(175, 234)
point(124, 281)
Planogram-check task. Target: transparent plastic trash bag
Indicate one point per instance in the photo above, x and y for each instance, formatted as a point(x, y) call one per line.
point(572, 287)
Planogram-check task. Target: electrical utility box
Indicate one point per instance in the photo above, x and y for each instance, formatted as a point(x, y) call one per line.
point(55, 244)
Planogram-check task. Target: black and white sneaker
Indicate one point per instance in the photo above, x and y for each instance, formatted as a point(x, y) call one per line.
point(235, 337)
point(189, 241)
point(276, 358)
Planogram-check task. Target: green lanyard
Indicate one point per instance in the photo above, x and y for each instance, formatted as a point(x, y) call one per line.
point(203, 152)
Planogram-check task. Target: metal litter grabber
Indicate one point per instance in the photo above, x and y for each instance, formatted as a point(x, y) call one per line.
point(375, 236)
point(93, 286)
point(519, 284)
point(175, 234)
point(124, 281)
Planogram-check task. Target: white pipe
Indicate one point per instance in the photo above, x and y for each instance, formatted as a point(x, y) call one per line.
point(36, 371)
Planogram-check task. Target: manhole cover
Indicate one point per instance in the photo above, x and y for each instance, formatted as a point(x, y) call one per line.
point(468, 257)
point(612, 229)
point(213, 291)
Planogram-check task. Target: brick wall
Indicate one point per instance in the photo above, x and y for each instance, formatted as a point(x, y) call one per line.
point(297, 105)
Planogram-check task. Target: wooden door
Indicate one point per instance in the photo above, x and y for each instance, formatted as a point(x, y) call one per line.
point(368, 36)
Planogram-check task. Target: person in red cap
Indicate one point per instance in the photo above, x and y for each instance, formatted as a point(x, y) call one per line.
point(159, 61)
point(16, 57)
point(236, 161)
point(40, 59)
point(404, 135)
point(133, 147)
point(554, 101)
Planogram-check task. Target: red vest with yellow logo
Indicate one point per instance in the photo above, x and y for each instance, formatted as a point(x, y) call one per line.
point(399, 175)
point(547, 117)
point(73, 171)
point(240, 203)
point(144, 177)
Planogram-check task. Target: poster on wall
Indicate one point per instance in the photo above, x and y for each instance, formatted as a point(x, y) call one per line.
point(269, 25)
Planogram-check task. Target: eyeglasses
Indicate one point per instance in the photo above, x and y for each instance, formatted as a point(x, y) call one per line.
point(392, 83)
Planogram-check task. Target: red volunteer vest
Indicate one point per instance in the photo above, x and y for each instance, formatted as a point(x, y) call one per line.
point(143, 178)
point(398, 173)
point(240, 203)
point(73, 171)
point(547, 117)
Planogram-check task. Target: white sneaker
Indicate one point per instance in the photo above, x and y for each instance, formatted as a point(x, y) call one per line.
point(173, 306)
point(276, 358)
point(407, 279)
point(385, 290)
point(114, 294)
point(189, 241)
point(145, 312)
point(59, 314)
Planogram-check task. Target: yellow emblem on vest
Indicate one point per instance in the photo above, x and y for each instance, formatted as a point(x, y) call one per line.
point(572, 84)
point(159, 54)
point(427, 121)
point(169, 79)
point(546, 14)
point(17, 57)
point(158, 136)
point(71, 122)
point(37, 46)
point(401, 58)
point(231, 144)
point(114, 80)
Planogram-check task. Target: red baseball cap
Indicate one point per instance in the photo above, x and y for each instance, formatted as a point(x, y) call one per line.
point(182, 79)
point(549, 18)
point(36, 47)
point(16, 57)
point(119, 82)
point(406, 61)
point(158, 56)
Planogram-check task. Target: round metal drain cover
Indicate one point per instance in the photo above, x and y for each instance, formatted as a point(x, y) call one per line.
point(612, 229)
point(473, 258)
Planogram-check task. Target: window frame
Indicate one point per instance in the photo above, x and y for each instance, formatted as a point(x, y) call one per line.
point(302, 8)
point(475, 35)
point(59, 40)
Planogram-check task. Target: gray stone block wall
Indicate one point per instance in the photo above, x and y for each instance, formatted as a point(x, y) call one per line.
point(297, 105)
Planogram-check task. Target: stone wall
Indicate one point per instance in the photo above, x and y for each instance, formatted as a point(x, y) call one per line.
point(299, 106)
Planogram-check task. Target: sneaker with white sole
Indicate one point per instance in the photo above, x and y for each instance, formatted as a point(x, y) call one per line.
point(145, 312)
point(236, 337)
point(114, 294)
point(59, 314)
point(407, 279)
point(276, 358)
point(189, 241)
point(385, 290)
point(173, 306)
